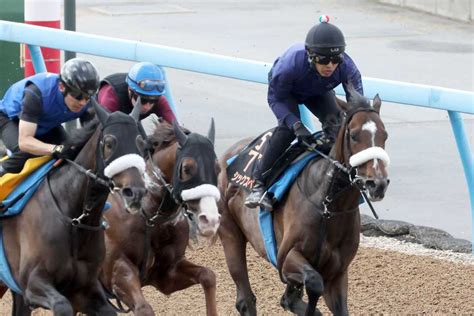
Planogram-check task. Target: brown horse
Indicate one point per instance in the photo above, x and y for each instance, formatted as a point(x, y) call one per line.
point(55, 247)
point(317, 224)
point(148, 248)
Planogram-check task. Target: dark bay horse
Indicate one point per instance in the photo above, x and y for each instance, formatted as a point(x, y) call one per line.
point(55, 247)
point(317, 224)
point(149, 248)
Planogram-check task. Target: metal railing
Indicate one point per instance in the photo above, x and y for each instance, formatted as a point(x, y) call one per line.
point(451, 100)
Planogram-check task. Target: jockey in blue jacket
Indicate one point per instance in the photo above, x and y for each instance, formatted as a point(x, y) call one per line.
point(305, 74)
point(33, 109)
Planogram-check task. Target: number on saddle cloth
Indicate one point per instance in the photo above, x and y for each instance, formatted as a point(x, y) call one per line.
point(240, 167)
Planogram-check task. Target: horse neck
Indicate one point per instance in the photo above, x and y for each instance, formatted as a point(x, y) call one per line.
point(326, 180)
point(165, 160)
point(70, 185)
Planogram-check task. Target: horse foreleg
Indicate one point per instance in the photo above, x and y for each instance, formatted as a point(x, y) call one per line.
point(335, 295)
point(185, 274)
point(19, 306)
point(92, 301)
point(127, 287)
point(235, 244)
point(296, 272)
point(39, 292)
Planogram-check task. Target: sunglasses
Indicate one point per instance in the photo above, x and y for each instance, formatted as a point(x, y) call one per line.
point(325, 60)
point(79, 96)
point(145, 99)
point(150, 85)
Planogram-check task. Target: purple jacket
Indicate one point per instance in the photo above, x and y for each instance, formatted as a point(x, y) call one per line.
point(293, 78)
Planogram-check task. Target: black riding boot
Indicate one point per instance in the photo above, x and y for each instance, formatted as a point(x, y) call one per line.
point(277, 144)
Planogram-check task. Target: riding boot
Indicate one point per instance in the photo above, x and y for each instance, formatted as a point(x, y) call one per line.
point(277, 144)
point(258, 197)
point(330, 126)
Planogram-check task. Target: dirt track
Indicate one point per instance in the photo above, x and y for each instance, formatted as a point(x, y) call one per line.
point(379, 282)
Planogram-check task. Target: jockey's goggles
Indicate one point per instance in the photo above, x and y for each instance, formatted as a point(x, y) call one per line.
point(325, 60)
point(78, 95)
point(150, 85)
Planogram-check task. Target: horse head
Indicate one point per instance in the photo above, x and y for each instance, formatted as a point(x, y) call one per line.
point(195, 178)
point(188, 162)
point(361, 144)
point(119, 151)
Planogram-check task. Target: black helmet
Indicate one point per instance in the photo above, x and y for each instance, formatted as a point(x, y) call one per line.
point(80, 75)
point(325, 39)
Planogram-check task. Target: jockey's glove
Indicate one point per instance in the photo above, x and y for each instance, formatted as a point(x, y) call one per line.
point(63, 152)
point(302, 133)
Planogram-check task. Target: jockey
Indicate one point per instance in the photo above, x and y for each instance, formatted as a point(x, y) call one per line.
point(305, 74)
point(33, 109)
point(119, 92)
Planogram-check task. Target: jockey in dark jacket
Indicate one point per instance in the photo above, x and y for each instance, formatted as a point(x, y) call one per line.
point(305, 74)
point(33, 109)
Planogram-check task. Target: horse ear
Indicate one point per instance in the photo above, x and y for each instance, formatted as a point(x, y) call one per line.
point(136, 109)
point(342, 104)
point(180, 135)
point(102, 114)
point(377, 103)
point(211, 134)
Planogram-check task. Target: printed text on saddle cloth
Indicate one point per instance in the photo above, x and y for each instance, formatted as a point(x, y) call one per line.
point(245, 162)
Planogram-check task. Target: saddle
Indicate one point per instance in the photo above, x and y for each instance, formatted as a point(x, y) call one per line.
point(240, 167)
point(16, 187)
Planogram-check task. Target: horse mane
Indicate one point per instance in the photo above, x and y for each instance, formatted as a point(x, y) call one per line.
point(79, 137)
point(163, 135)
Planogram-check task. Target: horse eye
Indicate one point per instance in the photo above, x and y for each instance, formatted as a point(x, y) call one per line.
point(354, 136)
point(109, 146)
point(188, 169)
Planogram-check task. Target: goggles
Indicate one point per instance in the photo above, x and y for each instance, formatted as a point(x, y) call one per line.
point(325, 60)
point(150, 85)
point(78, 95)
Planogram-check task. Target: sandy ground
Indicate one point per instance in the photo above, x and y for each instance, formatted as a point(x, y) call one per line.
point(380, 281)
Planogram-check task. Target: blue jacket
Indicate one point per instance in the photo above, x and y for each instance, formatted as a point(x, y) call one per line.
point(55, 111)
point(294, 78)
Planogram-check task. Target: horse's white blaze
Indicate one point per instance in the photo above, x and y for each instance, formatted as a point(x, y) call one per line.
point(208, 216)
point(123, 163)
point(372, 129)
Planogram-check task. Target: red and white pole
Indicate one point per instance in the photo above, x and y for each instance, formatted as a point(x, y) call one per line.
point(43, 13)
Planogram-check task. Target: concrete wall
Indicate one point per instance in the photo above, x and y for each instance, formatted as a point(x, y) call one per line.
point(462, 10)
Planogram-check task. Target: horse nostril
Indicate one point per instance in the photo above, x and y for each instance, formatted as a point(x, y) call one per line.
point(370, 184)
point(203, 219)
point(127, 192)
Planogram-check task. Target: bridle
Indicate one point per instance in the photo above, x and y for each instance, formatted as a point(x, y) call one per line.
point(349, 172)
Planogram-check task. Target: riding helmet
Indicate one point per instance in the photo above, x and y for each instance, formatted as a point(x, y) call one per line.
point(325, 39)
point(80, 75)
point(146, 79)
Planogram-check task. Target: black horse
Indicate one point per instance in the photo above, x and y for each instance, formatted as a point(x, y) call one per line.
point(55, 247)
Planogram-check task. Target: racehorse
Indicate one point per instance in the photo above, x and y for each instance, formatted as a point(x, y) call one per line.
point(149, 248)
point(317, 224)
point(55, 247)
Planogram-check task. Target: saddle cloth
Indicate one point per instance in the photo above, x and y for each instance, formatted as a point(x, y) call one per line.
point(10, 180)
point(282, 175)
